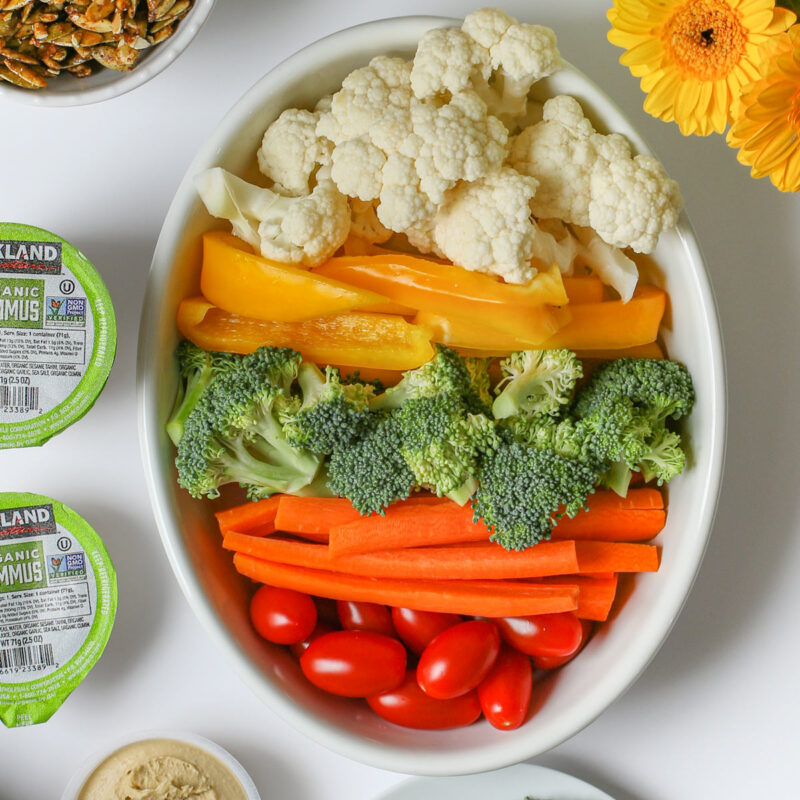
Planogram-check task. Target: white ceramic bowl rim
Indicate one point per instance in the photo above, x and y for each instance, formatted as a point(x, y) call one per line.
point(93, 90)
point(91, 763)
point(608, 686)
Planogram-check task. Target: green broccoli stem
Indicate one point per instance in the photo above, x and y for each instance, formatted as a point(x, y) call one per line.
point(464, 492)
point(242, 467)
point(185, 401)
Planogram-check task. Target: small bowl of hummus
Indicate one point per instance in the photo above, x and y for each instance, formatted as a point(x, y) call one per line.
point(162, 765)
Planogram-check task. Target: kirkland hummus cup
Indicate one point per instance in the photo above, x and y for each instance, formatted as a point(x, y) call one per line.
point(58, 335)
point(58, 597)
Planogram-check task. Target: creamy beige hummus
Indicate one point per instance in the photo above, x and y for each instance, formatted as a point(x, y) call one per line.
point(162, 769)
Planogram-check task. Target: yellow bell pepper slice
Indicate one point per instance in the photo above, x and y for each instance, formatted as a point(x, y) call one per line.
point(353, 339)
point(238, 280)
point(449, 290)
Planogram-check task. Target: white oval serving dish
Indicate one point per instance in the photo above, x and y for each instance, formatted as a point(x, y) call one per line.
point(218, 595)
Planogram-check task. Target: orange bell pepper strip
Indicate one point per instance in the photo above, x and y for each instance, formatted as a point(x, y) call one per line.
point(652, 350)
point(353, 339)
point(426, 285)
point(543, 322)
point(613, 325)
point(238, 280)
point(583, 289)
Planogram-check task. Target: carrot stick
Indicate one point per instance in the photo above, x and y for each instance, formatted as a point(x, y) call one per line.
point(248, 517)
point(635, 500)
point(408, 526)
point(476, 598)
point(613, 525)
point(451, 562)
point(594, 557)
point(303, 515)
point(596, 595)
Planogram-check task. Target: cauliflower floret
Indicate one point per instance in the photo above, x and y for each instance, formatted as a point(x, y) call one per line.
point(295, 230)
point(404, 151)
point(291, 151)
point(447, 59)
point(356, 168)
point(486, 225)
point(633, 201)
point(493, 54)
point(592, 180)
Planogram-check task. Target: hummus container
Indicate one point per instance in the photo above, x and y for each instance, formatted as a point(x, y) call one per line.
point(58, 597)
point(155, 763)
point(58, 335)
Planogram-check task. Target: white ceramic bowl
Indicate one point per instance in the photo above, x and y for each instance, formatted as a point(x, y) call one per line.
point(73, 790)
point(618, 654)
point(66, 90)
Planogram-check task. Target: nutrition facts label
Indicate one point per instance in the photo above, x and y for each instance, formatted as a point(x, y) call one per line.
point(46, 338)
point(48, 594)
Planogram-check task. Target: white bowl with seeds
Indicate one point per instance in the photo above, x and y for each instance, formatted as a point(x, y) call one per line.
point(58, 55)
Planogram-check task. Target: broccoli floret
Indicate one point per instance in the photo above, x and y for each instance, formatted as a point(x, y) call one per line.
point(661, 388)
point(442, 443)
point(331, 413)
point(524, 490)
point(355, 377)
point(196, 369)
point(562, 434)
point(665, 459)
point(627, 405)
point(370, 471)
point(234, 433)
point(536, 382)
point(447, 372)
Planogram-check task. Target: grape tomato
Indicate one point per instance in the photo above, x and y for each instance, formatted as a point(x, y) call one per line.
point(505, 693)
point(458, 659)
point(354, 663)
point(418, 628)
point(282, 616)
point(548, 635)
point(409, 706)
point(365, 617)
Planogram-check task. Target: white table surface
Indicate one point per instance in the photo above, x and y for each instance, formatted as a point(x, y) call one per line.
point(714, 716)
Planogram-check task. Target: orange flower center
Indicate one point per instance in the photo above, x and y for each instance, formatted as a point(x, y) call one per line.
point(705, 39)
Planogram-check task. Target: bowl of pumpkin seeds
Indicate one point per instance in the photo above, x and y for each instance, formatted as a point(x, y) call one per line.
point(76, 52)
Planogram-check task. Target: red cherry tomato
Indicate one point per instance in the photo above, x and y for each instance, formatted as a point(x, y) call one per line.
point(418, 628)
point(505, 692)
point(365, 617)
point(409, 706)
point(298, 648)
point(354, 663)
point(282, 616)
point(553, 635)
point(551, 662)
point(458, 659)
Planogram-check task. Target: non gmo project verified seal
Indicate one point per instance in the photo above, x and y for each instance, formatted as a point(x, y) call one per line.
point(66, 312)
point(69, 566)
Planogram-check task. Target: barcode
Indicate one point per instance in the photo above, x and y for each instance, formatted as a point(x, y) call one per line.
point(20, 396)
point(32, 656)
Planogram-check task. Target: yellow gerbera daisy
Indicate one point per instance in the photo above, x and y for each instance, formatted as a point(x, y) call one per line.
point(694, 56)
point(766, 125)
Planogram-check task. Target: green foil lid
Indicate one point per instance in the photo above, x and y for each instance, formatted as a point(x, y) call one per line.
point(58, 598)
point(58, 335)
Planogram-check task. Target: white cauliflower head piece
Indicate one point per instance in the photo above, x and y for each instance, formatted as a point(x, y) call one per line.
point(294, 230)
point(593, 180)
point(291, 151)
point(486, 225)
point(492, 54)
point(404, 152)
